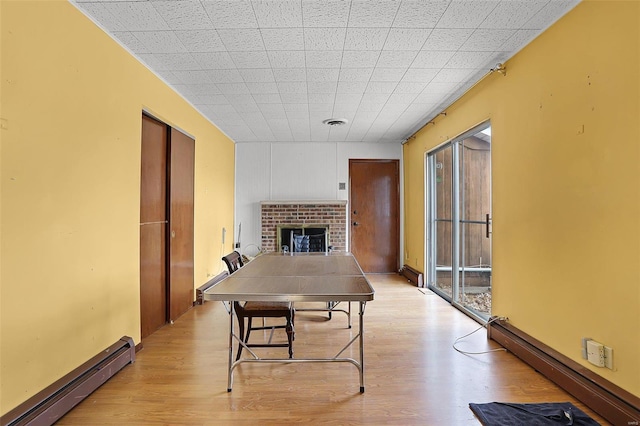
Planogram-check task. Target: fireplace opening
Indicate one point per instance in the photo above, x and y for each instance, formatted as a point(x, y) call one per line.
point(318, 237)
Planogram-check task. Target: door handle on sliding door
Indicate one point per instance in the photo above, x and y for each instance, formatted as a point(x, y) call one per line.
point(488, 220)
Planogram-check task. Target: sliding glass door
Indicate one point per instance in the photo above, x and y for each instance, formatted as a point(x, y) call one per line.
point(458, 221)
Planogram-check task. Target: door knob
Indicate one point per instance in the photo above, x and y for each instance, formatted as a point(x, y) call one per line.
point(355, 224)
point(173, 234)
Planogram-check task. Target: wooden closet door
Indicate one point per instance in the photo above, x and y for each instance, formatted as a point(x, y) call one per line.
point(153, 225)
point(181, 178)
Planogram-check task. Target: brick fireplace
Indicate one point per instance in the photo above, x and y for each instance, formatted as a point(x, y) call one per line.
point(304, 214)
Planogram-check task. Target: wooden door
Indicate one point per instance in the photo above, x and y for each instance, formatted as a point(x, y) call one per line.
point(153, 225)
point(181, 186)
point(374, 214)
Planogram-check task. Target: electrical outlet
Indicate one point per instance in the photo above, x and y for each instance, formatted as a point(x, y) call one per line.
point(608, 357)
point(584, 346)
point(595, 353)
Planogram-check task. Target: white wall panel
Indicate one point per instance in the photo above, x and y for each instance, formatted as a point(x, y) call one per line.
point(253, 184)
point(304, 171)
point(281, 171)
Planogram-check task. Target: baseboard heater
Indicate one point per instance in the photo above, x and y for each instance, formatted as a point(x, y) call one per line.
point(213, 281)
point(608, 400)
point(49, 405)
point(412, 275)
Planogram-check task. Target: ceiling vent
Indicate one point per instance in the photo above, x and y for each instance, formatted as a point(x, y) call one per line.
point(335, 121)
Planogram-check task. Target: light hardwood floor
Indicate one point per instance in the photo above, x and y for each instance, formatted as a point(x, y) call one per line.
point(412, 373)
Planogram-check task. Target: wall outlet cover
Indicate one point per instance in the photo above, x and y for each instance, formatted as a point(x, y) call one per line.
point(595, 353)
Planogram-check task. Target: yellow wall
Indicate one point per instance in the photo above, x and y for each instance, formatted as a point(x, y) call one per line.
point(566, 184)
point(71, 103)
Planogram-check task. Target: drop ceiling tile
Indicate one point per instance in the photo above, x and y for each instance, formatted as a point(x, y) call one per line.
point(256, 59)
point(447, 39)
point(272, 110)
point(137, 16)
point(442, 88)
point(356, 74)
point(351, 87)
point(513, 14)
point(184, 89)
point(325, 13)
point(406, 38)
point(550, 14)
point(153, 62)
point(286, 59)
point(99, 13)
point(322, 87)
point(256, 75)
point(404, 98)
point(322, 98)
point(278, 13)
point(210, 99)
point(169, 77)
point(486, 40)
point(248, 110)
point(381, 87)
point(254, 88)
point(193, 76)
point(468, 60)
point(323, 58)
point(178, 61)
point(324, 38)
point(183, 14)
point(225, 110)
point(231, 14)
point(388, 74)
point(420, 13)
point(372, 13)
point(466, 13)
point(241, 39)
point(396, 59)
point(159, 41)
point(267, 98)
point(233, 88)
point(205, 89)
point(242, 103)
point(374, 98)
point(294, 98)
point(365, 38)
point(406, 87)
point(130, 41)
point(201, 40)
point(322, 74)
point(299, 112)
point(213, 60)
point(432, 59)
point(226, 76)
point(348, 98)
point(319, 112)
point(292, 87)
point(359, 58)
point(452, 75)
point(290, 74)
point(419, 75)
point(283, 38)
point(518, 40)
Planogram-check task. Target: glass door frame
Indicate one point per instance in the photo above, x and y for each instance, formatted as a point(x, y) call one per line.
point(431, 220)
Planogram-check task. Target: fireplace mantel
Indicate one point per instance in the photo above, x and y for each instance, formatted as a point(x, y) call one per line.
point(330, 213)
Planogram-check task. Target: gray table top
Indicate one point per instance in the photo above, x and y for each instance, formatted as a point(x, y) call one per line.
point(296, 277)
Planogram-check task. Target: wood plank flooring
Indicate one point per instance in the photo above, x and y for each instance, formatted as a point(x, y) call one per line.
point(413, 376)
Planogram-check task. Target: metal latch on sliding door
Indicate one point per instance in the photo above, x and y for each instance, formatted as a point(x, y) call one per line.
point(487, 222)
